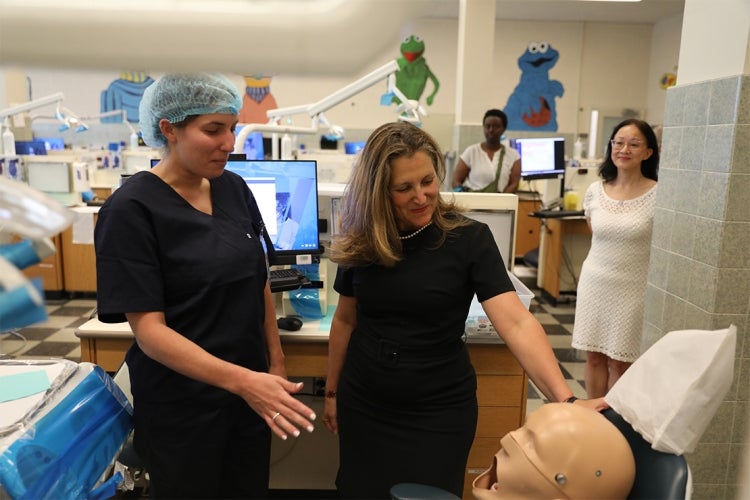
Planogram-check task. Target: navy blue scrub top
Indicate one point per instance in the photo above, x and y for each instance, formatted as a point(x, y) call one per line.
point(207, 273)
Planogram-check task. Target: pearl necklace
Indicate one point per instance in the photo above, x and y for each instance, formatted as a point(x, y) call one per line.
point(412, 235)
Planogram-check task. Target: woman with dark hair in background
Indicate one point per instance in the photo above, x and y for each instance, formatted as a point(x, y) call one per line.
point(489, 166)
point(612, 287)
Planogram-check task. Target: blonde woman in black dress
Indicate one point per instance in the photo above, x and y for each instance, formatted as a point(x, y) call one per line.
point(401, 388)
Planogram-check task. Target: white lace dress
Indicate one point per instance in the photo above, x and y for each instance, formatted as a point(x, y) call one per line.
point(612, 287)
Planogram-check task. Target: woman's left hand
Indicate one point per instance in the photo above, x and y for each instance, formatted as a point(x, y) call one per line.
point(597, 404)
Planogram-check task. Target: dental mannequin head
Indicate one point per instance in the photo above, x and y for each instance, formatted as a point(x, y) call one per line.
point(563, 451)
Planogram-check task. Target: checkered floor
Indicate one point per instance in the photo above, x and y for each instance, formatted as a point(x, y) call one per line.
point(56, 336)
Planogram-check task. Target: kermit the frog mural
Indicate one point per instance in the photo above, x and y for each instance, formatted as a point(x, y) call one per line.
point(531, 106)
point(413, 73)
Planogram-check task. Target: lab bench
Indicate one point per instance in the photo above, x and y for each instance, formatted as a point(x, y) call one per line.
point(501, 385)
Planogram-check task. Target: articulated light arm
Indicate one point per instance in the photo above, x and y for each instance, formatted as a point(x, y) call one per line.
point(316, 109)
point(28, 106)
point(115, 112)
point(409, 110)
point(353, 89)
point(275, 115)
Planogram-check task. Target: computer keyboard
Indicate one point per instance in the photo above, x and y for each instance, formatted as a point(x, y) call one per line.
point(286, 279)
point(558, 214)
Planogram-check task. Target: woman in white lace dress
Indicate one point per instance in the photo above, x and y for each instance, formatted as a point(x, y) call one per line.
point(612, 287)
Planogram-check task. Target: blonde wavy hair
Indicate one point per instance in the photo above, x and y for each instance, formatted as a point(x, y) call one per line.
point(368, 233)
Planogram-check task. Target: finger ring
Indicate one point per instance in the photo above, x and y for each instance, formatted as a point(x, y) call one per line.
point(273, 419)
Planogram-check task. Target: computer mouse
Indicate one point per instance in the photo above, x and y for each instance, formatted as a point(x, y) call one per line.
point(289, 323)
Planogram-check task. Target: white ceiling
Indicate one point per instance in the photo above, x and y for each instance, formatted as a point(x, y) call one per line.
point(645, 11)
point(325, 37)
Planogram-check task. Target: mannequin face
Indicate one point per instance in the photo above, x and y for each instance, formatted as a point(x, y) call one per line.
point(563, 451)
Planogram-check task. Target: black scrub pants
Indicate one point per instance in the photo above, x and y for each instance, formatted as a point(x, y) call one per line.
point(193, 451)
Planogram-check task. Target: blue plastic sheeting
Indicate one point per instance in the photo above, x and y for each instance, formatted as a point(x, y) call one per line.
point(67, 451)
point(306, 301)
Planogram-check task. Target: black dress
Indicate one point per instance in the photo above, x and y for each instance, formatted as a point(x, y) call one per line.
point(406, 402)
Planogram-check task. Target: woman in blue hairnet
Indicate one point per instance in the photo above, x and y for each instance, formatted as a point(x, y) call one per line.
point(179, 256)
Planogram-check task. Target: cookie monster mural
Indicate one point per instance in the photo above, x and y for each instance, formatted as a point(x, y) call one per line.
point(531, 106)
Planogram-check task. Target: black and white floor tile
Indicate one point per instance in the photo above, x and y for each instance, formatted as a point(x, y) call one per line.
point(56, 337)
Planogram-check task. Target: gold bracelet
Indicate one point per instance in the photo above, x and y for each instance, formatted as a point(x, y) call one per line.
point(330, 394)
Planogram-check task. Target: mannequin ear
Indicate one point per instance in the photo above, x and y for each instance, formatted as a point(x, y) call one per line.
point(167, 129)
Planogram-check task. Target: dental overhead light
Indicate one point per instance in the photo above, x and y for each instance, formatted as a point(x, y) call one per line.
point(69, 120)
point(408, 110)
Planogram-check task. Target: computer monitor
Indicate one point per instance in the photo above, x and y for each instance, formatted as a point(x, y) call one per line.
point(541, 158)
point(33, 147)
point(498, 211)
point(287, 195)
point(52, 143)
point(254, 147)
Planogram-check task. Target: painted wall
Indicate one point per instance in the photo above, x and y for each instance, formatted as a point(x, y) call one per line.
point(665, 48)
point(604, 65)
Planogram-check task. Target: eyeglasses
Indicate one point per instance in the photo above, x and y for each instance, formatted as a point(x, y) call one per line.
point(620, 145)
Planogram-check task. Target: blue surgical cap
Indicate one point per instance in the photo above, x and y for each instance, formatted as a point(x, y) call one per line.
point(175, 97)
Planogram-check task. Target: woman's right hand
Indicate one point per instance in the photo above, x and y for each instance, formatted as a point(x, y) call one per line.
point(270, 396)
point(329, 415)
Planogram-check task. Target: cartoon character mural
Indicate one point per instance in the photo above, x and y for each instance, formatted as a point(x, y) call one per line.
point(667, 80)
point(125, 93)
point(531, 106)
point(413, 72)
point(257, 99)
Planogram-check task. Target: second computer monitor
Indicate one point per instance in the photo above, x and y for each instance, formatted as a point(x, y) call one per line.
point(287, 195)
point(541, 158)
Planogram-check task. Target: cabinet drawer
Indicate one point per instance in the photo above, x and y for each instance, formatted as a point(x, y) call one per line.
point(496, 421)
point(305, 359)
point(482, 451)
point(494, 359)
point(501, 390)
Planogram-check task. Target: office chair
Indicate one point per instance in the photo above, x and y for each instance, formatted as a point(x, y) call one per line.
point(657, 474)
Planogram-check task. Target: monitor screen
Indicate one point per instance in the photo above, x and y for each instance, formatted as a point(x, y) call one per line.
point(287, 195)
point(541, 158)
point(51, 143)
point(254, 147)
point(33, 147)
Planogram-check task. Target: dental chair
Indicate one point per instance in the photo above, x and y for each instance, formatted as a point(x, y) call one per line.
point(657, 474)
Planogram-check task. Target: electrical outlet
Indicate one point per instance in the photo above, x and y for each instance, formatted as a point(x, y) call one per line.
point(319, 386)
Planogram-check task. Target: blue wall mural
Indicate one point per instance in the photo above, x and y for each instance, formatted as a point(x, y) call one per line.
point(531, 106)
point(125, 93)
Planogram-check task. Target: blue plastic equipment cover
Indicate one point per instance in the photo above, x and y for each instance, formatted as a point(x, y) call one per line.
point(64, 451)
